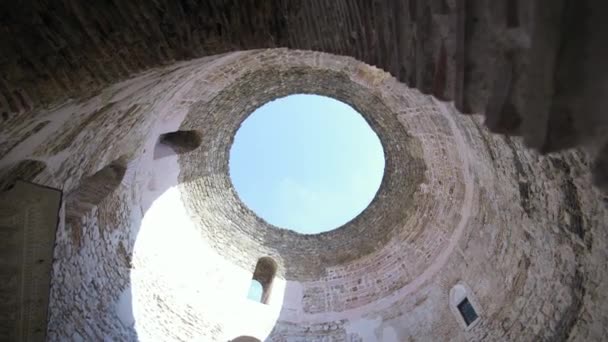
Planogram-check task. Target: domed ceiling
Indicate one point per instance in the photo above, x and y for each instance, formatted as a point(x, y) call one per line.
point(471, 236)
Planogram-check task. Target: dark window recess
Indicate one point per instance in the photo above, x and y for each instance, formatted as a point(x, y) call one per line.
point(467, 311)
point(177, 142)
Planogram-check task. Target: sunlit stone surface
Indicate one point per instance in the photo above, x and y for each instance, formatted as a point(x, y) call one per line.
point(522, 233)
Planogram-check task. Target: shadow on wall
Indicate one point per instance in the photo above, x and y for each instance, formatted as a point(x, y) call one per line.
point(177, 142)
point(26, 170)
point(90, 193)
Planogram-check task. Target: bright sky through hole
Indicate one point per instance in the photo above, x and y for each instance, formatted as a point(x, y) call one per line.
point(308, 163)
point(255, 291)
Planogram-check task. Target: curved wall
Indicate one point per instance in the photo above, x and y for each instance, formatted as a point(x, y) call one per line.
point(170, 252)
point(513, 61)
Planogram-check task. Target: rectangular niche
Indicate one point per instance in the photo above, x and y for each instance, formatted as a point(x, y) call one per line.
point(464, 306)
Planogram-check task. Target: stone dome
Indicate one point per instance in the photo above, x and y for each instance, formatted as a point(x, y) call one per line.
point(471, 236)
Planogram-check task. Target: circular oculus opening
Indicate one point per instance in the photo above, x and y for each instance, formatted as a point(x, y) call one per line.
point(307, 163)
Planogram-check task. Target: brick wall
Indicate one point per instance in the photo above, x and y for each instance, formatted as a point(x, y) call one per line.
point(524, 231)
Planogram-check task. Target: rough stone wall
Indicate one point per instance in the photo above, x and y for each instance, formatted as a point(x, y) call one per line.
point(205, 171)
point(515, 61)
point(524, 231)
point(527, 290)
point(83, 48)
point(91, 268)
point(88, 278)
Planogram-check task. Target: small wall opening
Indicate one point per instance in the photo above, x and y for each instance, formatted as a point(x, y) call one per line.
point(261, 282)
point(95, 188)
point(467, 311)
point(177, 142)
point(464, 306)
point(90, 193)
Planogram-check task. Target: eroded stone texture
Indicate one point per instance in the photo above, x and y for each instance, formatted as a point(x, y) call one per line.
point(26, 170)
point(534, 68)
point(168, 252)
point(206, 169)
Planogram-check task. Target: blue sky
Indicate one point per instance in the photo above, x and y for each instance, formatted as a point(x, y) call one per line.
point(255, 291)
point(306, 162)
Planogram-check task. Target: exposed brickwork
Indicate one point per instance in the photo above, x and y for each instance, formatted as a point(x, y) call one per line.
point(457, 203)
point(515, 61)
point(205, 171)
point(26, 170)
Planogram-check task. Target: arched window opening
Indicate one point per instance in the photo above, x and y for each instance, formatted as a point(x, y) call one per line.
point(177, 142)
point(261, 283)
point(464, 306)
point(94, 189)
